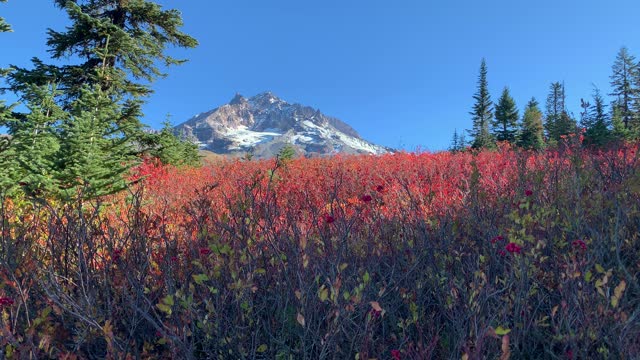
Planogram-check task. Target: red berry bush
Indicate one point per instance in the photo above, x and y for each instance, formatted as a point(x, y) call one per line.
point(405, 256)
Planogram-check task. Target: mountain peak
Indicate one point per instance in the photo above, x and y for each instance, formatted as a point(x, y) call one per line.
point(269, 123)
point(237, 99)
point(265, 99)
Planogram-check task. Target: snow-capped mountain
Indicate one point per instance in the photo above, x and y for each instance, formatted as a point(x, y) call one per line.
point(264, 124)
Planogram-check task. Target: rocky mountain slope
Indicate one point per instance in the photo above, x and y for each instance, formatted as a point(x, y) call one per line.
point(264, 124)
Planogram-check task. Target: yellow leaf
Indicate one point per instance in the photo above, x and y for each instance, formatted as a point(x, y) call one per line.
point(620, 289)
point(107, 329)
point(164, 308)
point(262, 348)
point(502, 331)
point(617, 293)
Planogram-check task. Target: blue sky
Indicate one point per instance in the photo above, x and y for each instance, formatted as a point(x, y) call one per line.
point(402, 73)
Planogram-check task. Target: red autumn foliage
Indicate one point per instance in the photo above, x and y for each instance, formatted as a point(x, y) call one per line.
point(513, 248)
point(256, 259)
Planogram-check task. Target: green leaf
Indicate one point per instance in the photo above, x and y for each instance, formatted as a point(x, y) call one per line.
point(323, 293)
point(244, 306)
point(225, 249)
point(599, 268)
point(200, 278)
point(502, 331)
point(366, 278)
point(168, 300)
point(164, 308)
point(588, 276)
point(262, 348)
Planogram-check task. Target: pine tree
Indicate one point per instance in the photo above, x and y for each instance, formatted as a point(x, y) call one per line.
point(597, 122)
point(506, 118)
point(135, 34)
point(127, 40)
point(454, 141)
point(555, 108)
point(584, 113)
point(532, 132)
point(93, 153)
point(4, 110)
point(619, 131)
point(171, 149)
point(34, 141)
point(482, 112)
point(625, 86)
point(118, 47)
point(458, 142)
point(565, 125)
point(7, 175)
point(4, 27)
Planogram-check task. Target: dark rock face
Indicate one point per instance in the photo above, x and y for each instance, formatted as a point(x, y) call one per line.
point(263, 124)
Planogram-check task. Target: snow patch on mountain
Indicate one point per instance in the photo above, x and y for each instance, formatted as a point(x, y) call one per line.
point(263, 124)
point(243, 138)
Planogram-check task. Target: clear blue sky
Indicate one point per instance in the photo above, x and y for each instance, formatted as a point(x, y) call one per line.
point(402, 72)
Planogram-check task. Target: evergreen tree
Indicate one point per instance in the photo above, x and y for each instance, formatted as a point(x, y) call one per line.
point(171, 149)
point(482, 112)
point(34, 141)
point(625, 71)
point(135, 34)
point(93, 153)
point(462, 142)
point(532, 132)
point(7, 156)
point(584, 113)
point(454, 141)
point(620, 131)
point(4, 110)
point(597, 122)
point(458, 142)
point(506, 118)
point(565, 125)
point(555, 108)
point(7, 175)
point(118, 47)
point(4, 27)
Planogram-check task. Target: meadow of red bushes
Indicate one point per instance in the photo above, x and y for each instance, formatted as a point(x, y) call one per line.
point(469, 255)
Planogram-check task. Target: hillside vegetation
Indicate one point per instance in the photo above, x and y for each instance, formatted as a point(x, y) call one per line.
point(474, 255)
point(521, 243)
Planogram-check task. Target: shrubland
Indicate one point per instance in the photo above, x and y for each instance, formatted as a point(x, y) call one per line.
point(491, 254)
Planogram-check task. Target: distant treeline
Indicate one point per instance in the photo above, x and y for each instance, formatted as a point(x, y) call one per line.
point(598, 123)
